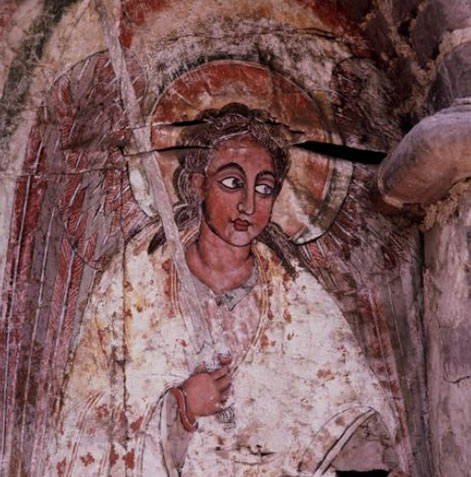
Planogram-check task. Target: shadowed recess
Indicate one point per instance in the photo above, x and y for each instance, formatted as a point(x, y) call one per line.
point(344, 152)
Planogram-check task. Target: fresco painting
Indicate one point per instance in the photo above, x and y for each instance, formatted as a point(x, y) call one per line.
point(299, 376)
point(287, 380)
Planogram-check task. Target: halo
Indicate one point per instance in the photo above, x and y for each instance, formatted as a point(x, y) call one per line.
point(315, 187)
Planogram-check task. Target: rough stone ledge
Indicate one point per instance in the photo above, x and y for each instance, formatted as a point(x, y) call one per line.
point(431, 158)
point(453, 39)
point(442, 211)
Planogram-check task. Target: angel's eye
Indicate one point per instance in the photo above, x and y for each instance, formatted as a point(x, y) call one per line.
point(264, 189)
point(232, 183)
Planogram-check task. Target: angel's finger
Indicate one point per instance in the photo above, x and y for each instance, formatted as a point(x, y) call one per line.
point(200, 369)
point(220, 372)
point(224, 396)
point(223, 383)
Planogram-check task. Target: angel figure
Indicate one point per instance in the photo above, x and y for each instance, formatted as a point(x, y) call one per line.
point(287, 386)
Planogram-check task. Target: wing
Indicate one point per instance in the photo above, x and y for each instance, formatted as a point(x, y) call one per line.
point(371, 263)
point(73, 210)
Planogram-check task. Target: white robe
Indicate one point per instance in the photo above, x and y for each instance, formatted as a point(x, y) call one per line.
point(300, 384)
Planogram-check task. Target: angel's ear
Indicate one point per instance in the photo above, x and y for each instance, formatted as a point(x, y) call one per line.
point(197, 183)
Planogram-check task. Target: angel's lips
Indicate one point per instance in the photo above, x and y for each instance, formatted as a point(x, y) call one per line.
point(241, 225)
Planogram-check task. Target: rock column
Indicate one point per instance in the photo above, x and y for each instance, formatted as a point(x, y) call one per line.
point(447, 283)
point(431, 170)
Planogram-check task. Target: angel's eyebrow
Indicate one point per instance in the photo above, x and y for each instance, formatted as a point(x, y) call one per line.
point(266, 173)
point(231, 165)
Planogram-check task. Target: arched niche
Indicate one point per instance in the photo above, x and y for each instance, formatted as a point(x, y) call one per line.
point(74, 209)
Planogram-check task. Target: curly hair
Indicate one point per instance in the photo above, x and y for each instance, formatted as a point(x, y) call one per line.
point(215, 127)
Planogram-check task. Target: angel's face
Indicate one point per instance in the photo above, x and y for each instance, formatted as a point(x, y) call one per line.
point(238, 190)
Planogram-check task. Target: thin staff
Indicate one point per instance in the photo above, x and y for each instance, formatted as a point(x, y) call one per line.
point(195, 318)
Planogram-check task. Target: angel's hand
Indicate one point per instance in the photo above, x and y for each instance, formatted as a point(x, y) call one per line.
point(206, 393)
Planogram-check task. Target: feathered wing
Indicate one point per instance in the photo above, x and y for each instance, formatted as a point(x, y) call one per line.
point(371, 265)
point(73, 210)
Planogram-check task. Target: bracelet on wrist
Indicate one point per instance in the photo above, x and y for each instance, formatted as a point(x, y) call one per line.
point(187, 419)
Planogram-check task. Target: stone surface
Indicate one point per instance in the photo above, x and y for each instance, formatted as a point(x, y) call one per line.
point(441, 93)
point(405, 10)
point(446, 280)
point(427, 32)
point(402, 69)
point(455, 13)
point(356, 10)
point(453, 77)
point(433, 21)
point(377, 31)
